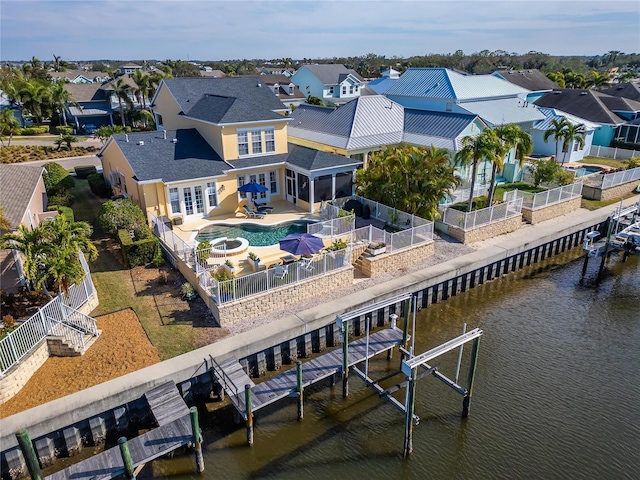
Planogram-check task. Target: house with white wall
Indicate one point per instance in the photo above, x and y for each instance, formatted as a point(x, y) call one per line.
point(331, 83)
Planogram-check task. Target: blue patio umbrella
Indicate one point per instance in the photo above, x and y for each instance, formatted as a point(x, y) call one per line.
point(252, 187)
point(301, 244)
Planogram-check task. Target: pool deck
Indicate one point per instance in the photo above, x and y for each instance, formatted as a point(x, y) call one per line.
point(282, 212)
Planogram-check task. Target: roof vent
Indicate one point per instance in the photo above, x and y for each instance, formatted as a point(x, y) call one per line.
point(259, 85)
point(583, 93)
point(164, 134)
point(126, 137)
point(174, 140)
point(140, 142)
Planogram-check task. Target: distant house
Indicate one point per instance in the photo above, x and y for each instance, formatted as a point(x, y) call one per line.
point(129, 68)
point(382, 84)
point(575, 153)
point(80, 76)
point(597, 107)
point(217, 135)
point(283, 88)
point(331, 83)
point(24, 200)
point(91, 105)
point(630, 90)
point(287, 72)
point(530, 79)
point(210, 72)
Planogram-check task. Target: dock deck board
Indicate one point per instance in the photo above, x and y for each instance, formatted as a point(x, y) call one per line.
point(314, 370)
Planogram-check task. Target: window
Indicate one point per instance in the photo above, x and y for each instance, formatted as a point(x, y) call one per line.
point(303, 187)
point(270, 140)
point(344, 90)
point(273, 183)
point(322, 187)
point(256, 141)
point(174, 199)
point(199, 199)
point(331, 90)
point(159, 119)
point(241, 183)
point(212, 194)
point(351, 89)
point(243, 143)
point(188, 201)
point(262, 180)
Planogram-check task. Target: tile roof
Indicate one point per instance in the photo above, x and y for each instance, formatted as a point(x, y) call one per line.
point(532, 79)
point(225, 110)
point(159, 158)
point(85, 92)
point(553, 114)
point(503, 111)
point(331, 73)
point(446, 83)
point(630, 90)
point(16, 189)
point(188, 91)
point(587, 104)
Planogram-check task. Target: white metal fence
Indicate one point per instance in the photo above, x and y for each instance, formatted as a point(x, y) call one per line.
point(266, 280)
point(548, 197)
point(176, 245)
point(485, 216)
point(394, 241)
point(618, 178)
point(58, 317)
point(615, 153)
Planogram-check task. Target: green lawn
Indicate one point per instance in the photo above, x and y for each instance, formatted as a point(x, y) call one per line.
point(606, 162)
point(116, 289)
point(596, 204)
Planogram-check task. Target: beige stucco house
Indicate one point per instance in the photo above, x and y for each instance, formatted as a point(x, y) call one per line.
point(215, 135)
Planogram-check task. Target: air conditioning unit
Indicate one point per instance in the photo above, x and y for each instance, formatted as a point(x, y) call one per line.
point(177, 220)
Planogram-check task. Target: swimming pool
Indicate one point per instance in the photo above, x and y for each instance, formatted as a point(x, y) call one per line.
point(257, 235)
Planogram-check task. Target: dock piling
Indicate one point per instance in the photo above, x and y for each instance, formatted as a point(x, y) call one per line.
point(473, 362)
point(409, 408)
point(247, 400)
point(30, 458)
point(126, 457)
point(197, 439)
point(345, 359)
point(299, 389)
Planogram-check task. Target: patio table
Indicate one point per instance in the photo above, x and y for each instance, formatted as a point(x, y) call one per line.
point(288, 259)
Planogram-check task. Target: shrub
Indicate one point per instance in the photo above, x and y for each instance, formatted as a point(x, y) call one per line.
point(564, 177)
point(8, 321)
point(633, 162)
point(187, 291)
point(545, 171)
point(97, 185)
point(62, 199)
point(120, 214)
point(338, 244)
point(203, 251)
point(62, 210)
point(35, 130)
point(163, 277)
point(62, 130)
point(83, 171)
point(139, 252)
point(56, 178)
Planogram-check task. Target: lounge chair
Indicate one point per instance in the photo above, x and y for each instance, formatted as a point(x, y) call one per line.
point(262, 207)
point(280, 271)
point(253, 214)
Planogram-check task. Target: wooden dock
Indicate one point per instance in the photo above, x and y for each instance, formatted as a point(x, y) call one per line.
point(174, 431)
point(321, 367)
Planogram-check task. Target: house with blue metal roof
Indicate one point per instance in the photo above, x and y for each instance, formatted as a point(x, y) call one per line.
point(386, 80)
point(214, 136)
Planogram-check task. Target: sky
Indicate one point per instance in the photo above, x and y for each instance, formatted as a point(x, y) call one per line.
point(269, 29)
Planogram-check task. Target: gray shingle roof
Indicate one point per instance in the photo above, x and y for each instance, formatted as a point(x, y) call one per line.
point(222, 110)
point(330, 73)
point(630, 90)
point(159, 158)
point(532, 79)
point(587, 104)
point(310, 159)
point(188, 91)
point(85, 92)
point(16, 189)
point(259, 161)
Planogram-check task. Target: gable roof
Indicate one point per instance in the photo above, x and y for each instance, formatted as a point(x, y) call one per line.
point(188, 91)
point(587, 104)
point(630, 90)
point(85, 92)
point(532, 79)
point(331, 73)
point(73, 74)
point(18, 185)
point(553, 114)
point(226, 110)
point(444, 83)
point(502, 111)
point(162, 159)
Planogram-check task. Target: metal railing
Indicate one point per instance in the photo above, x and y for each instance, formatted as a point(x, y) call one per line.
point(31, 332)
point(173, 242)
point(334, 227)
point(393, 241)
point(391, 216)
point(72, 335)
point(548, 197)
point(618, 178)
point(272, 278)
point(615, 153)
point(485, 216)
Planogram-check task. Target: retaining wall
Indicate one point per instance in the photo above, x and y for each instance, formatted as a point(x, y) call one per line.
point(595, 193)
point(17, 377)
point(390, 262)
point(269, 346)
point(484, 232)
point(550, 211)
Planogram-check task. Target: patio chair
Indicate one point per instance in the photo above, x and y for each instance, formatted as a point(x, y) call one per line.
point(280, 271)
point(262, 207)
point(252, 214)
point(306, 263)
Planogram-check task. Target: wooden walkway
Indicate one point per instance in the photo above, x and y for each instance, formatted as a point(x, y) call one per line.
point(174, 431)
point(314, 370)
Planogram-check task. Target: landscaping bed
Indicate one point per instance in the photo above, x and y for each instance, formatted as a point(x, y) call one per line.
point(28, 153)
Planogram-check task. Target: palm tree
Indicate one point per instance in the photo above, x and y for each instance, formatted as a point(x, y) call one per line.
point(567, 133)
point(64, 270)
point(33, 96)
point(70, 236)
point(4, 223)
point(56, 63)
point(556, 130)
point(512, 137)
point(121, 91)
point(9, 124)
point(142, 81)
point(60, 98)
point(474, 149)
point(33, 245)
point(598, 80)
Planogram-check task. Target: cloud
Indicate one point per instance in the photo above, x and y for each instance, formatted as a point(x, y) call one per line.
point(211, 30)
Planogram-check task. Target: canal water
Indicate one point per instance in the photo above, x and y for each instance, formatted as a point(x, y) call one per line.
point(556, 395)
